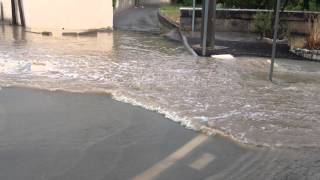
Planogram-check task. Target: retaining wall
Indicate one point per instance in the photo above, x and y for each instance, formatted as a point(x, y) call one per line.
point(241, 20)
point(155, 2)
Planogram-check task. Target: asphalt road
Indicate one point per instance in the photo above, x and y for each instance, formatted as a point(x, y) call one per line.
point(65, 136)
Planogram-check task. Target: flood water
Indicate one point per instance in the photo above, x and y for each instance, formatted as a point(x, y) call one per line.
point(233, 97)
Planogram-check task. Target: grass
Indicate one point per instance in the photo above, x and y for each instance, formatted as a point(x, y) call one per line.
point(172, 12)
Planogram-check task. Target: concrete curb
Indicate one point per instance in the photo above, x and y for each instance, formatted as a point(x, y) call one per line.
point(313, 55)
point(172, 25)
point(84, 33)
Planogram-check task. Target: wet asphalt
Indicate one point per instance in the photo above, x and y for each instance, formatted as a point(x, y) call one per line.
point(65, 136)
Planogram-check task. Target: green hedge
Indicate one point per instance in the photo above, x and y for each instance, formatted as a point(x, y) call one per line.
point(313, 5)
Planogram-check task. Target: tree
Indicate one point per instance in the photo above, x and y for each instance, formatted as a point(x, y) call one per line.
point(306, 4)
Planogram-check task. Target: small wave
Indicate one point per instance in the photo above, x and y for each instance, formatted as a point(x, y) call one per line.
point(233, 98)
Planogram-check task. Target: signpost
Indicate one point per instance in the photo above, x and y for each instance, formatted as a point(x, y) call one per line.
point(193, 15)
point(1, 12)
point(14, 12)
point(275, 37)
point(205, 12)
point(208, 25)
point(214, 14)
point(21, 13)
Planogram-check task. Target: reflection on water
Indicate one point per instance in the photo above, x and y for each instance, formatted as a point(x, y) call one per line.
point(232, 96)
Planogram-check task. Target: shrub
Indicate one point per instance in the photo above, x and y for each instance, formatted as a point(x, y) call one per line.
point(263, 24)
point(114, 3)
point(251, 4)
point(187, 2)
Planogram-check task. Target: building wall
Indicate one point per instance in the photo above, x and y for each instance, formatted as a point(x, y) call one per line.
point(241, 20)
point(6, 9)
point(65, 14)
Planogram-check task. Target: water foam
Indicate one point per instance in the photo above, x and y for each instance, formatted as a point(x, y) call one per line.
point(231, 98)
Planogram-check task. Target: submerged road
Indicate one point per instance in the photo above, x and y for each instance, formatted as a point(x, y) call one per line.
point(48, 135)
point(65, 136)
point(138, 19)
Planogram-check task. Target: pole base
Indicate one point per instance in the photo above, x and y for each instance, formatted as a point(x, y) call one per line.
point(211, 51)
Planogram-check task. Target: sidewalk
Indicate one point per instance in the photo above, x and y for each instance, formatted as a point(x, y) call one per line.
point(242, 44)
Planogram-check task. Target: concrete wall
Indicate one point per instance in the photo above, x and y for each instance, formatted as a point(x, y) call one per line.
point(65, 14)
point(123, 5)
point(155, 2)
point(241, 20)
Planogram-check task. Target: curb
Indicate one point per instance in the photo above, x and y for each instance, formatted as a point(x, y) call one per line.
point(173, 25)
point(312, 55)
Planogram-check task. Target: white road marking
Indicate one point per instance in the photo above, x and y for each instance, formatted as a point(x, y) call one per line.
point(166, 163)
point(203, 161)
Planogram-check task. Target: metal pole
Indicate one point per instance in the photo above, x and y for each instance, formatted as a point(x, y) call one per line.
point(275, 37)
point(21, 13)
point(205, 28)
point(214, 16)
point(193, 15)
point(1, 11)
point(14, 13)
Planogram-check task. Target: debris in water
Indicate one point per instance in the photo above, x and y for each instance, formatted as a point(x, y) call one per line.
point(223, 56)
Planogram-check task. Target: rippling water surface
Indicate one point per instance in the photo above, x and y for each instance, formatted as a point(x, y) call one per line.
point(231, 96)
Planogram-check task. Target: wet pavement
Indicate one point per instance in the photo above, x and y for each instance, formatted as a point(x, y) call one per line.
point(138, 19)
point(66, 136)
point(60, 135)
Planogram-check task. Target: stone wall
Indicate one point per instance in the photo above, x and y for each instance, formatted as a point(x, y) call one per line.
point(241, 20)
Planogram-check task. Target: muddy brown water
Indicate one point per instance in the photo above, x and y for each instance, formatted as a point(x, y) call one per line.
point(232, 96)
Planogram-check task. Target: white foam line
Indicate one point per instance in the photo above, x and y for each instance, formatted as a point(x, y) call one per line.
point(166, 163)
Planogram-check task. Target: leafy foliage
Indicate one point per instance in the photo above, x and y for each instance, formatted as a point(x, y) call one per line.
point(249, 4)
point(114, 3)
point(263, 24)
point(313, 5)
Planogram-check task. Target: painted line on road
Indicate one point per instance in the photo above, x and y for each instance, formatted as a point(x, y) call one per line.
point(203, 161)
point(166, 163)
